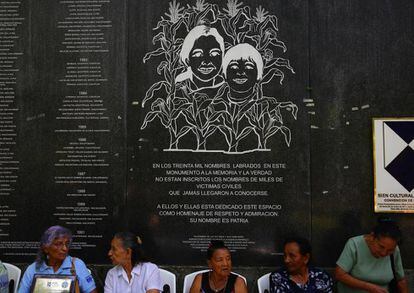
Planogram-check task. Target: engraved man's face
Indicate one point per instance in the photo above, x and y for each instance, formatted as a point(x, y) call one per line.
point(241, 75)
point(205, 58)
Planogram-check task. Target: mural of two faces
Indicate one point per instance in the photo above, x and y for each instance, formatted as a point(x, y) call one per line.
point(217, 135)
point(214, 64)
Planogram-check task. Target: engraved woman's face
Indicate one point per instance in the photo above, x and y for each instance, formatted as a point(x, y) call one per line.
point(241, 75)
point(205, 58)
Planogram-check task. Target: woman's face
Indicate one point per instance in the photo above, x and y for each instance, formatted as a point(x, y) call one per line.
point(118, 254)
point(205, 58)
point(294, 260)
point(220, 262)
point(241, 75)
point(382, 246)
point(58, 249)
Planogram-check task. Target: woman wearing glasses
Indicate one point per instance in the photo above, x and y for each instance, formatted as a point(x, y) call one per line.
point(53, 258)
point(365, 262)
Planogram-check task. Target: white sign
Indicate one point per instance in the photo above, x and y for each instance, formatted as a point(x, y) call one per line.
point(394, 164)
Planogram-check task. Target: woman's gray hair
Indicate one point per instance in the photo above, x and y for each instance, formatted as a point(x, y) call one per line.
point(47, 238)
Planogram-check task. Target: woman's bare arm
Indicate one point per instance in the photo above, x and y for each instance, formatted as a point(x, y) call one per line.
point(347, 279)
point(240, 286)
point(196, 286)
point(402, 285)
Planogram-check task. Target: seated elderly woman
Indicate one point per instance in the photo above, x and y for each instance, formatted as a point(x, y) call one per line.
point(297, 275)
point(4, 279)
point(219, 279)
point(367, 261)
point(53, 258)
point(132, 273)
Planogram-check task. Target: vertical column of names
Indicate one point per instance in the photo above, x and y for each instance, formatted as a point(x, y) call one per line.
point(10, 20)
point(83, 121)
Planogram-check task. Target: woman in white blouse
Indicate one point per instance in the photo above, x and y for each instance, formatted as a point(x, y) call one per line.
point(132, 273)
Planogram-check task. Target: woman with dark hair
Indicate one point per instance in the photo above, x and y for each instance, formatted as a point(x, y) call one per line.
point(219, 279)
point(297, 275)
point(53, 258)
point(132, 272)
point(365, 264)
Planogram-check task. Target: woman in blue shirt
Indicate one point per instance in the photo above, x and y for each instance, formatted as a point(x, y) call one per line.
point(297, 275)
point(4, 279)
point(53, 258)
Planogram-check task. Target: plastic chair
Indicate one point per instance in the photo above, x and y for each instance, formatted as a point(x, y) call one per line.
point(188, 279)
point(168, 281)
point(244, 279)
point(14, 274)
point(263, 283)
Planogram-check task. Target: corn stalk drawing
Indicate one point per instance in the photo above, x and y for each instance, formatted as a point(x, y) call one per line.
point(182, 112)
point(266, 119)
point(201, 116)
point(165, 107)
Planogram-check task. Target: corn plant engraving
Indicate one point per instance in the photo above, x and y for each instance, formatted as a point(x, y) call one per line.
point(214, 64)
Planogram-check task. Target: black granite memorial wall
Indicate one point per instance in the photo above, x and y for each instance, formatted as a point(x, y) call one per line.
point(186, 121)
point(64, 65)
